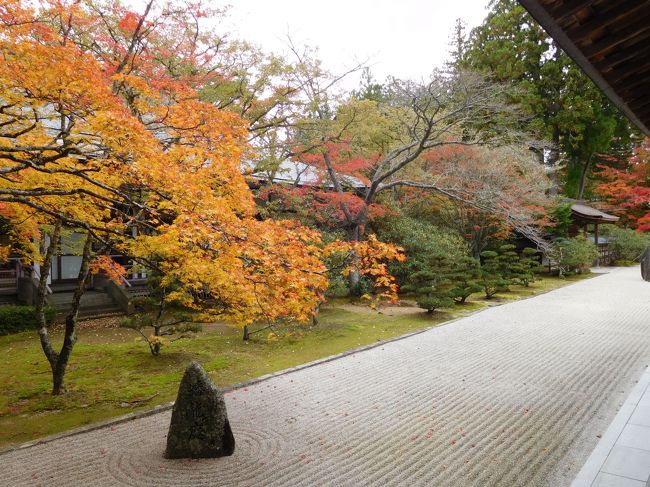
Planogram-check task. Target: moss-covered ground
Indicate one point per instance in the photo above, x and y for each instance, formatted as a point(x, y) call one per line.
point(111, 373)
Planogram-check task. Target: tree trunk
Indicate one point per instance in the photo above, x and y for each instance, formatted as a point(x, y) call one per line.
point(553, 158)
point(353, 281)
point(43, 335)
point(314, 317)
point(583, 178)
point(355, 233)
point(69, 339)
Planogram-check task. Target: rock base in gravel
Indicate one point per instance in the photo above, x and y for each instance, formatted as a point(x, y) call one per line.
point(645, 264)
point(199, 426)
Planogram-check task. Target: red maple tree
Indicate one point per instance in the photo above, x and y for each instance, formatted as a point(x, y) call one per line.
point(627, 190)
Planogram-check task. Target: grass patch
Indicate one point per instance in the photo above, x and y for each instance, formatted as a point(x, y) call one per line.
point(110, 374)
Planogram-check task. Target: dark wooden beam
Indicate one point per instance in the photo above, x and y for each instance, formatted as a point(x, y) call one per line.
point(565, 9)
point(634, 51)
point(645, 113)
point(634, 89)
point(642, 102)
point(639, 27)
point(630, 69)
point(610, 13)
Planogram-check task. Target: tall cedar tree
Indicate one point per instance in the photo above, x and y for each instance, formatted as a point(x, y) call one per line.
point(563, 104)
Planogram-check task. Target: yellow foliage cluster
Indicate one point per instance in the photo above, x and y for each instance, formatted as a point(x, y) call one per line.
point(370, 258)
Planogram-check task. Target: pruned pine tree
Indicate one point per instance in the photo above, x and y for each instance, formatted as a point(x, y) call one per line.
point(465, 275)
point(432, 286)
point(491, 280)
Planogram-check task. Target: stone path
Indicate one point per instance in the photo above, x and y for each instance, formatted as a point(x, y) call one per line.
point(513, 396)
point(622, 456)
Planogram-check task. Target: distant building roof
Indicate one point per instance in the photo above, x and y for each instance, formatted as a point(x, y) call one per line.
point(300, 174)
point(592, 215)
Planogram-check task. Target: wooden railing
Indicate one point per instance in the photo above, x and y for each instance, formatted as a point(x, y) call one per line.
point(606, 255)
point(8, 281)
point(9, 277)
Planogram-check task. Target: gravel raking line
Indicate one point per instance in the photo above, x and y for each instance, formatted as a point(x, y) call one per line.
point(515, 395)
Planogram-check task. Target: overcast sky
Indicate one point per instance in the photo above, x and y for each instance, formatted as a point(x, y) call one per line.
point(406, 38)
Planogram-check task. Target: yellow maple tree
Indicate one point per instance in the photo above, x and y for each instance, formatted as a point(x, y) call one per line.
point(103, 131)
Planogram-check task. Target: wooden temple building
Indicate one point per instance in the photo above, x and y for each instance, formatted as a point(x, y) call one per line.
point(585, 219)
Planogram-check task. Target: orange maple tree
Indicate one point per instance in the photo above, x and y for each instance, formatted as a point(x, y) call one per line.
point(103, 131)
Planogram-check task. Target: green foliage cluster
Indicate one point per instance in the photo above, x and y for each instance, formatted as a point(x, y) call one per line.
point(506, 267)
point(432, 286)
point(575, 254)
point(516, 268)
point(15, 318)
point(627, 244)
point(492, 280)
point(530, 266)
point(439, 270)
point(423, 244)
point(464, 275)
point(338, 286)
point(164, 321)
point(450, 280)
point(561, 216)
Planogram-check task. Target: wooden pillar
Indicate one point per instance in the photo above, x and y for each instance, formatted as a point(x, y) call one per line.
point(596, 242)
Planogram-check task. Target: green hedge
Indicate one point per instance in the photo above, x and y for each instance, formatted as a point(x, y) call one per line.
point(577, 254)
point(15, 318)
point(628, 244)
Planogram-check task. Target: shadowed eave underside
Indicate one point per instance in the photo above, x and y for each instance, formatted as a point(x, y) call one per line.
point(610, 41)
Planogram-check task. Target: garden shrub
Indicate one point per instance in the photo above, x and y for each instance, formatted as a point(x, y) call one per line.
point(492, 280)
point(529, 264)
point(561, 217)
point(165, 313)
point(15, 318)
point(432, 288)
point(510, 266)
point(338, 287)
point(363, 287)
point(422, 241)
point(627, 244)
point(576, 254)
point(464, 275)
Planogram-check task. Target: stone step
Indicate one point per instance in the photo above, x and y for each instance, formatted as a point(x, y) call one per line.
point(93, 304)
point(99, 312)
point(8, 299)
point(86, 299)
point(92, 312)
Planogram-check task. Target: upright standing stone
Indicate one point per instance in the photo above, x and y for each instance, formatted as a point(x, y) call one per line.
point(645, 264)
point(199, 427)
